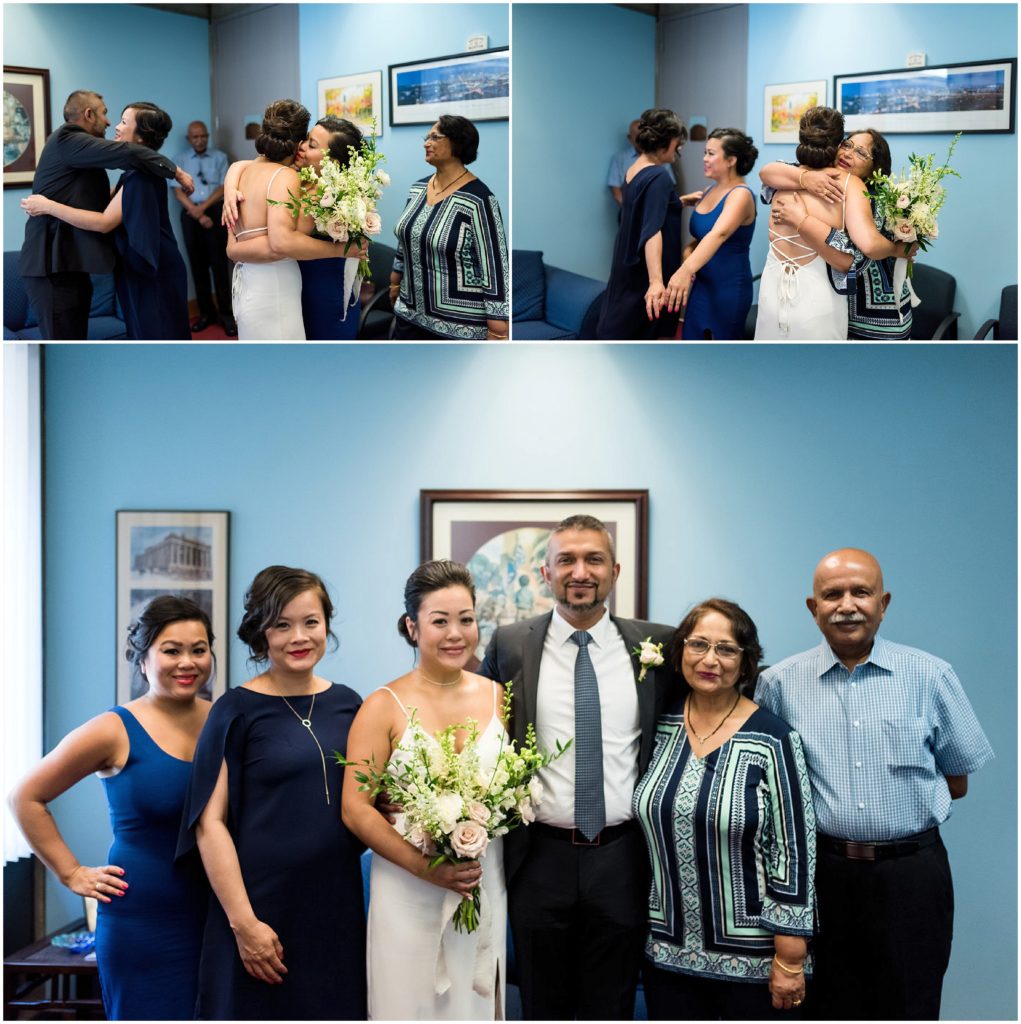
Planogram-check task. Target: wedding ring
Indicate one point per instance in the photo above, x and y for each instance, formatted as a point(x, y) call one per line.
point(795, 1002)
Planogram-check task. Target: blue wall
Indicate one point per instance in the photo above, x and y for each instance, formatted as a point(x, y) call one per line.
point(582, 73)
point(758, 459)
point(978, 224)
point(343, 39)
point(125, 52)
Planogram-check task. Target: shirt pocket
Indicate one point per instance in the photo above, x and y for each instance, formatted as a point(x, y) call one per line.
point(906, 745)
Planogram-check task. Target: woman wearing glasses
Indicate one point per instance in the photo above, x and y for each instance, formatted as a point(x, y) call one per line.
point(449, 277)
point(726, 810)
point(876, 311)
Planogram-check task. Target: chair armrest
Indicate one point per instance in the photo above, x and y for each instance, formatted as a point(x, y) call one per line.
point(569, 297)
point(380, 301)
point(947, 328)
point(985, 329)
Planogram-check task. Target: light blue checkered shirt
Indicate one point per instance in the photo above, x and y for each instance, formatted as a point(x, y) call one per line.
point(879, 741)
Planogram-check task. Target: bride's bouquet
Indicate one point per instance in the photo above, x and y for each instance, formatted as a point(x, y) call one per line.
point(342, 200)
point(453, 806)
point(909, 205)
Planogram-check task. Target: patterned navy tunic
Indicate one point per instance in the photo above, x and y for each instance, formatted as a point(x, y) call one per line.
point(454, 260)
point(731, 838)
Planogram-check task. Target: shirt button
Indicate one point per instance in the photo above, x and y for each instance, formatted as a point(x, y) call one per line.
point(853, 685)
point(856, 723)
point(857, 764)
point(861, 805)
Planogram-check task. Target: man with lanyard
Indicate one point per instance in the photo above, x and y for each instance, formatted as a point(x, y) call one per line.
point(205, 238)
point(890, 740)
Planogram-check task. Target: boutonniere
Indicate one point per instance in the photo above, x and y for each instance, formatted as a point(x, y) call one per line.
point(650, 655)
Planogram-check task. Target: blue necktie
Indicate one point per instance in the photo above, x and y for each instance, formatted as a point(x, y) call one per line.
point(589, 804)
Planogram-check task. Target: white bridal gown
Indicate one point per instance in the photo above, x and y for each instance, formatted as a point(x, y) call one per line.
point(419, 967)
point(267, 296)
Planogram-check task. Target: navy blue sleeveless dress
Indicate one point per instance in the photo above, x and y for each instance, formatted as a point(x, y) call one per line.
point(300, 865)
point(148, 941)
point(722, 293)
point(322, 301)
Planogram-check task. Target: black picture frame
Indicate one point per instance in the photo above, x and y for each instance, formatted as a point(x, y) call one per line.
point(413, 103)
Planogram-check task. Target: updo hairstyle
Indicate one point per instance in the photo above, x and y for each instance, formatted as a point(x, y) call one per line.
point(463, 136)
point(284, 127)
point(427, 579)
point(271, 591)
point(343, 134)
point(657, 129)
point(820, 132)
point(738, 145)
point(152, 124)
point(159, 613)
point(745, 633)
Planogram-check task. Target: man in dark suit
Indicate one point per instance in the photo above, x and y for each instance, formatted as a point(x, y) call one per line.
point(56, 259)
point(578, 876)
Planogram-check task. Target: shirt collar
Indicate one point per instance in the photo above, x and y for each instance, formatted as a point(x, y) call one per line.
point(880, 656)
point(562, 629)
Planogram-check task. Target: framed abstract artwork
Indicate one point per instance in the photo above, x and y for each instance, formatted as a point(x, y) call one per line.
point(501, 536)
point(978, 97)
point(474, 85)
point(356, 98)
point(783, 106)
point(26, 122)
point(180, 553)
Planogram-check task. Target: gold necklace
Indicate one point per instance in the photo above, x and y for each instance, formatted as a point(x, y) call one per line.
point(708, 735)
point(460, 678)
point(436, 188)
point(307, 723)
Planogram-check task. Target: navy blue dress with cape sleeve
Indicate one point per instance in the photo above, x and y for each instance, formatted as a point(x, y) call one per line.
point(300, 865)
point(650, 205)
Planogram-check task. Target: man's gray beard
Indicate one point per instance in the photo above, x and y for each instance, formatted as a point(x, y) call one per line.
point(588, 606)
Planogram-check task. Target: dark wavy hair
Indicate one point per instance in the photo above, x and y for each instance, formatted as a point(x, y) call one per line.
point(463, 135)
point(820, 132)
point(657, 128)
point(159, 613)
point(284, 127)
point(343, 134)
point(152, 124)
point(427, 579)
point(738, 145)
point(745, 633)
point(271, 591)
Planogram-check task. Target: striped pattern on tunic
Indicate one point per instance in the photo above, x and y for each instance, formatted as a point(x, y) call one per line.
point(453, 258)
point(731, 840)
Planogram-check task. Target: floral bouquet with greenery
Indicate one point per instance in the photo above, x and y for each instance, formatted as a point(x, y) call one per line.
point(453, 807)
point(342, 200)
point(909, 206)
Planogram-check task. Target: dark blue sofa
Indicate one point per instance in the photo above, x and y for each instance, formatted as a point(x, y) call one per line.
point(552, 304)
point(21, 324)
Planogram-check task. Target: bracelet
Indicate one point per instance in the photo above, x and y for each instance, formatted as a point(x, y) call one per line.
point(802, 224)
point(801, 179)
point(787, 970)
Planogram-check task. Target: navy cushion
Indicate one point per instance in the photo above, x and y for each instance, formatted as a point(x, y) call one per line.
point(529, 285)
point(539, 330)
point(102, 295)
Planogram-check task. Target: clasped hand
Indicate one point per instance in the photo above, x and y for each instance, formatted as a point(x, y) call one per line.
point(261, 952)
point(460, 877)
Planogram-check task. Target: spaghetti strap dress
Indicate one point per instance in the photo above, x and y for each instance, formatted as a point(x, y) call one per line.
point(722, 293)
point(148, 941)
point(267, 296)
point(300, 865)
point(419, 967)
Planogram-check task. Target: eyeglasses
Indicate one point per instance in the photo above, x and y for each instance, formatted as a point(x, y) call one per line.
point(433, 137)
point(847, 144)
point(725, 651)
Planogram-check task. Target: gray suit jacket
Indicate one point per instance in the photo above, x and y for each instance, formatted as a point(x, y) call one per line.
point(513, 656)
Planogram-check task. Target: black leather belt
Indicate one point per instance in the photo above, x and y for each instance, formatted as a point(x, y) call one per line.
point(877, 851)
point(573, 836)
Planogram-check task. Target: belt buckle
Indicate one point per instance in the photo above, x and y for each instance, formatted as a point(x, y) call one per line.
point(860, 851)
point(578, 838)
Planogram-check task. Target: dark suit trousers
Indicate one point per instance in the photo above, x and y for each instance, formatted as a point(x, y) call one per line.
point(207, 252)
point(579, 918)
point(884, 934)
point(61, 303)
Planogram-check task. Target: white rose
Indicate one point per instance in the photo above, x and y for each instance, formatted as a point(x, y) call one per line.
point(904, 231)
point(327, 199)
point(360, 209)
point(448, 810)
point(903, 202)
point(479, 812)
point(421, 840)
point(469, 839)
point(337, 231)
point(373, 223)
point(650, 653)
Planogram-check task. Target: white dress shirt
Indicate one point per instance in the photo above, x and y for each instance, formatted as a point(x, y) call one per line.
point(618, 708)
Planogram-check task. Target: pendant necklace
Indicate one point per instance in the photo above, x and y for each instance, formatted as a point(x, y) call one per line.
point(708, 735)
point(307, 723)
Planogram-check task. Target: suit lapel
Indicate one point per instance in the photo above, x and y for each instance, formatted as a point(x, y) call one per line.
point(646, 689)
point(531, 656)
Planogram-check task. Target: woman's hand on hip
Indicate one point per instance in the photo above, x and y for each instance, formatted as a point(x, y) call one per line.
point(261, 952)
point(34, 205)
point(100, 883)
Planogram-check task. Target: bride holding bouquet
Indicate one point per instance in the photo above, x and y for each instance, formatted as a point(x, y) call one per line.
point(447, 972)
